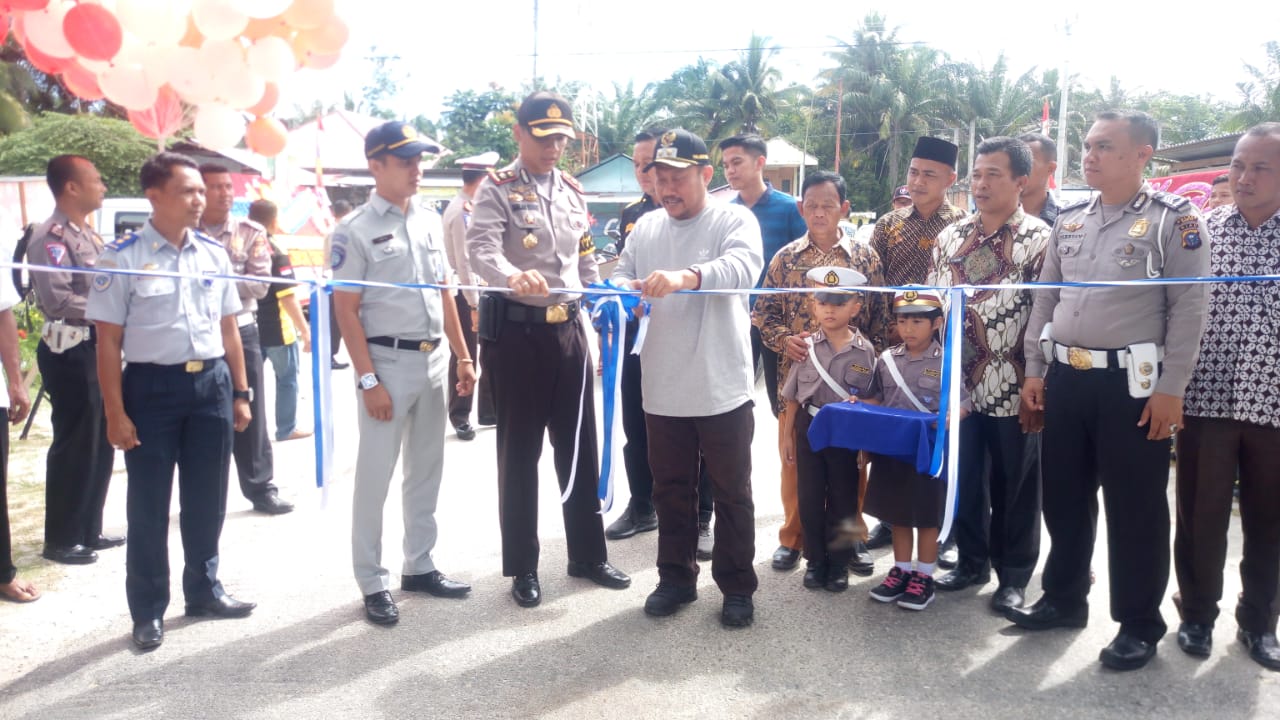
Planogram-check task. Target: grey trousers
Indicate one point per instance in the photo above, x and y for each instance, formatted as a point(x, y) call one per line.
point(415, 382)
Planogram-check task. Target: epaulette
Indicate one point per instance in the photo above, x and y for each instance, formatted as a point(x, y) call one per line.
point(1077, 204)
point(1173, 201)
point(206, 238)
point(124, 242)
point(633, 203)
point(466, 206)
point(351, 216)
point(572, 182)
point(501, 177)
point(254, 224)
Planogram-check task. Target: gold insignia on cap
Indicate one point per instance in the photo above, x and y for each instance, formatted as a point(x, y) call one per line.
point(409, 132)
point(553, 111)
point(910, 296)
point(831, 278)
point(668, 137)
point(1139, 228)
point(530, 241)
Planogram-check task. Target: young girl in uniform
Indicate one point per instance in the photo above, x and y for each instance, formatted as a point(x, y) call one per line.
point(909, 376)
point(839, 365)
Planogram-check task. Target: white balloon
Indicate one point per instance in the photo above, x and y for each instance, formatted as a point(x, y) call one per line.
point(272, 57)
point(217, 20)
point(156, 21)
point(261, 9)
point(219, 127)
point(44, 29)
point(188, 77)
point(129, 87)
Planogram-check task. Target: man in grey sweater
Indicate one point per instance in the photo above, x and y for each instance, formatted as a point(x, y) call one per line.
point(698, 377)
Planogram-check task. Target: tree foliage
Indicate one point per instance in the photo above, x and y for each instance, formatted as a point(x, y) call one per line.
point(113, 145)
point(473, 123)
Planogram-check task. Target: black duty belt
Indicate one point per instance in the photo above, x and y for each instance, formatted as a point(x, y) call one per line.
point(190, 366)
point(425, 346)
point(549, 315)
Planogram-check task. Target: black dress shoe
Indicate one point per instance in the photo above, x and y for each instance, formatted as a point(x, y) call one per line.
point(962, 577)
point(487, 421)
point(815, 576)
point(149, 634)
point(1044, 615)
point(271, 504)
point(666, 599)
point(631, 522)
point(381, 609)
point(1127, 652)
point(526, 590)
point(1263, 648)
point(784, 558)
point(881, 536)
point(948, 555)
point(339, 365)
point(601, 573)
point(1008, 597)
point(223, 606)
point(1195, 639)
point(104, 542)
point(737, 611)
point(861, 564)
point(837, 580)
point(465, 432)
point(434, 583)
point(72, 555)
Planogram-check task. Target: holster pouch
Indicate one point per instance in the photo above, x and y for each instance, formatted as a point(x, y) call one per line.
point(1143, 369)
point(490, 308)
point(1046, 342)
point(61, 337)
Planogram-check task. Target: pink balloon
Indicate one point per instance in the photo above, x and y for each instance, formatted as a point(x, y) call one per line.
point(163, 119)
point(92, 31)
point(82, 83)
point(44, 30)
point(13, 5)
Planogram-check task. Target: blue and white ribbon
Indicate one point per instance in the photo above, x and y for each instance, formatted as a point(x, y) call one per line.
point(949, 412)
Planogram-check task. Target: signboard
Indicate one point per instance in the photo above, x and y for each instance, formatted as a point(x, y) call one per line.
point(1192, 186)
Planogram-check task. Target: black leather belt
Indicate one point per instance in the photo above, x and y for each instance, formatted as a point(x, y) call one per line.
point(404, 344)
point(549, 315)
point(190, 366)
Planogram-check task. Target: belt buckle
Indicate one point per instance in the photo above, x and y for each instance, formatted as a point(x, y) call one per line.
point(1080, 358)
point(426, 346)
point(194, 366)
point(557, 313)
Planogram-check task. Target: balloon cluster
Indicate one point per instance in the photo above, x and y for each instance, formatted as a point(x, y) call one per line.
point(224, 58)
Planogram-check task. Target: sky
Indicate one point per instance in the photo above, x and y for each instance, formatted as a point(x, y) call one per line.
point(444, 47)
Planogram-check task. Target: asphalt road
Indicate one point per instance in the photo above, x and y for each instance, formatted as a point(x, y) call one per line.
point(307, 651)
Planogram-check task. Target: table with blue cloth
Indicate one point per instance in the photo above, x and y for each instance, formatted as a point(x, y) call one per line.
point(906, 435)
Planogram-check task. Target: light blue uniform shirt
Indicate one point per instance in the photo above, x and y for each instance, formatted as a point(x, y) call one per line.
point(377, 242)
point(166, 320)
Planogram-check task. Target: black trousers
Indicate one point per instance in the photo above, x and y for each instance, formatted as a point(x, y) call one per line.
point(1210, 453)
point(1092, 439)
point(827, 483)
point(184, 420)
point(78, 464)
point(460, 405)
point(998, 518)
point(761, 355)
point(255, 464)
point(539, 372)
point(7, 570)
point(678, 447)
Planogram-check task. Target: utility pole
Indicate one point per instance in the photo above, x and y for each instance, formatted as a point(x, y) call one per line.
point(1063, 155)
point(535, 44)
point(839, 107)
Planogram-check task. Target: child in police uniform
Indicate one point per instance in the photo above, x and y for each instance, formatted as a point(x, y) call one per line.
point(839, 366)
point(909, 376)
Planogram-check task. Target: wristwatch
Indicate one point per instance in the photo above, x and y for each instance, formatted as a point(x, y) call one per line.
point(368, 381)
point(246, 395)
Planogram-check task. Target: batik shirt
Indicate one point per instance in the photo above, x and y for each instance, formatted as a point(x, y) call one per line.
point(1238, 373)
point(994, 320)
point(904, 240)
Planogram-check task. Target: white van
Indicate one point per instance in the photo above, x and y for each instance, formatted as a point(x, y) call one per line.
point(120, 216)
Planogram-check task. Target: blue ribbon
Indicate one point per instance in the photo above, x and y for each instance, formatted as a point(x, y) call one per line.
point(609, 313)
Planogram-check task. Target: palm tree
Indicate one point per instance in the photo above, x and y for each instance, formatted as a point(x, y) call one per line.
point(1261, 101)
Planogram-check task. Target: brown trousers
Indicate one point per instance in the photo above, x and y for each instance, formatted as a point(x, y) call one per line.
point(791, 534)
point(1210, 452)
point(724, 442)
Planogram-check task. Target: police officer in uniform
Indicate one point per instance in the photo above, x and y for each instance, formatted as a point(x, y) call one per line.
point(179, 399)
point(530, 232)
point(78, 464)
point(394, 338)
point(456, 218)
point(246, 243)
point(1121, 358)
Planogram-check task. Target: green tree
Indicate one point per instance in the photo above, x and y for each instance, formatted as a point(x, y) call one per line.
point(113, 145)
point(382, 87)
point(1261, 93)
point(36, 92)
point(479, 122)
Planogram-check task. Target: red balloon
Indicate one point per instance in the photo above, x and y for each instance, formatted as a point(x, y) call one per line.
point(163, 120)
point(82, 83)
point(45, 63)
point(12, 5)
point(93, 31)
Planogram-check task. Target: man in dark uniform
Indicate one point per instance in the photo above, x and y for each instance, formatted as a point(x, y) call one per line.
point(246, 243)
point(1112, 395)
point(1037, 201)
point(530, 232)
point(181, 397)
point(78, 465)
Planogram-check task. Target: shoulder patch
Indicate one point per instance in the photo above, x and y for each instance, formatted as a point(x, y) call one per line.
point(57, 252)
point(1172, 200)
point(201, 236)
point(338, 256)
point(501, 177)
point(572, 182)
point(56, 230)
point(124, 242)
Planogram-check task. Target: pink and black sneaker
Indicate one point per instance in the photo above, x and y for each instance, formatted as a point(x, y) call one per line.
point(893, 587)
point(919, 592)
